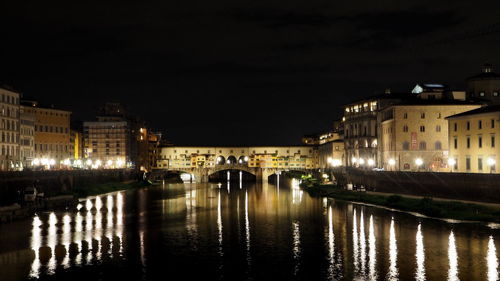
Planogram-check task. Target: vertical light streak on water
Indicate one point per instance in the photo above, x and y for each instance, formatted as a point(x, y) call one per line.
point(372, 254)
point(98, 227)
point(142, 250)
point(452, 258)
point(420, 255)
point(66, 239)
point(219, 229)
point(52, 242)
point(247, 232)
point(355, 241)
point(241, 179)
point(89, 220)
point(362, 243)
point(296, 246)
point(492, 260)
point(119, 221)
point(77, 237)
point(191, 226)
point(36, 243)
point(109, 223)
point(331, 246)
point(393, 254)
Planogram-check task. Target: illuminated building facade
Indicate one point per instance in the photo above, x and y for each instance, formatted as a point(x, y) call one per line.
point(473, 140)
point(27, 136)
point(414, 135)
point(52, 135)
point(9, 130)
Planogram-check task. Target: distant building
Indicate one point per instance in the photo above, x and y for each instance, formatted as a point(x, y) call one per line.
point(485, 85)
point(414, 134)
point(52, 134)
point(27, 136)
point(362, 127)
point(9, 130)
point(473, 140)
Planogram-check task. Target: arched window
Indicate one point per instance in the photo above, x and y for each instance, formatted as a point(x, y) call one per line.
point(422, 145)
point(438, 145)
point(406, 145)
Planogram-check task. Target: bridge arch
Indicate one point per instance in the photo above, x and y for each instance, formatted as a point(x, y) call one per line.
point(243, 159)
point(220, 160)
point(231, 159)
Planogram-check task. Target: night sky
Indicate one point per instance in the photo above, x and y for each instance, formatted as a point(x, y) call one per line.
point(238, 72)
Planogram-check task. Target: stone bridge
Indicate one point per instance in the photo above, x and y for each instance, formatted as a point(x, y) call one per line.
point(202, 174)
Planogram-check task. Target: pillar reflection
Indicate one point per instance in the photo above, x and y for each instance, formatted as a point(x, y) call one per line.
point(247, 231)
point(420, 255)
point(452, 258)
point(36, 243)
point(355, 241)
point(393, 254)
point(296, 245)
point(492, 260)
point(372, 254)
point(66, 239)
point(362, 243)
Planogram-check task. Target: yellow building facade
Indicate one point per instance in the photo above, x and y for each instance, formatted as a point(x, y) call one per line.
point(415, 136)
point(473, 140)
point(9, 130)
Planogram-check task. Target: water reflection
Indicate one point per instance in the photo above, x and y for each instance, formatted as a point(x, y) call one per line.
point(355, 242)
point(247, 231)
point(362, 243)
point(452, 258)
point(492, 260)
point(420, 255)
point(373, 251)
point(393, 254)
point(52, 250)
point(296, 246)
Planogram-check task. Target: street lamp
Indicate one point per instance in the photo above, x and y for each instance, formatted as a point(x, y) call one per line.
point(419, 162)
point(361, 161)
point(392, 162)
point(371, 162)
point(452, 162)
point(491, 162)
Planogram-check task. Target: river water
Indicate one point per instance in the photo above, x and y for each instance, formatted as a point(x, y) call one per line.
point(241, 232)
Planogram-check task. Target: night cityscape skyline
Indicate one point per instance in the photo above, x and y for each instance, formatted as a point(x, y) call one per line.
point(253, 62)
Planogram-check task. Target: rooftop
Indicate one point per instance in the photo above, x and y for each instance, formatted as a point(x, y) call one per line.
point(486, 109)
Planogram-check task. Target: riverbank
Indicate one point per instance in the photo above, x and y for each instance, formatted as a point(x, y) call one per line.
point(445, 209)
point(101, 188)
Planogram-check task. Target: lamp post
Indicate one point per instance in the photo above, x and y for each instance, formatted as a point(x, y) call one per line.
point(419, 163)
point(452, 162)
point(392, 163)
point(491, 163)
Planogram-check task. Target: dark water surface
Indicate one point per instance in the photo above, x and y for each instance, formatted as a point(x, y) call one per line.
point(249, 232)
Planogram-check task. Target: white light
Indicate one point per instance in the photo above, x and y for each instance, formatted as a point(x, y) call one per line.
point(52, 162)
point(109, 163)
point(119, 163)
point(392, 162)
point(36, 162)
point(66, 162)
point(246, 158)
point(336, 162)
point(354, 160)
point(361, 161)
point(228, 161)
point(88, 162)
point(329, 160)
point(419, 162)
point(78, 162)
point(44, 161)
point(452, 162)
point(371, 162)
point(98, 163)
point(491, 161)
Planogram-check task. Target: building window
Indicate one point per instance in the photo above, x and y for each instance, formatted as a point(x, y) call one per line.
point(455, 126)
point(438, 128)
point(481, 94)
point(480, 124)
point(422, 145)
point(495, 94)
point(467, 163)
point(405, 128)
point(493, 141)
point(422, 115)
point(480, 141)
point(455, 143)
point(422, 128)
point(468, 142)
point(480, 163)
point(468, 125)
point(406, 145)
point(492, 123)
point(439, 115)
point(438, 145)
point(405, 115)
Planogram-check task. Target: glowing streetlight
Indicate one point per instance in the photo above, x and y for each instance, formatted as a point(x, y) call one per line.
point(354, 160)
point(336, 162)
point(371, 162)
point(36, 162)
point(88, 162)
point(491, 162)
point(52, 162)
point(246, 158)
point(419, 162)
point(329, 160)
point(119, 163)
point(361, 161)
point(392, 162)
point(98, 163)
point(109, 163)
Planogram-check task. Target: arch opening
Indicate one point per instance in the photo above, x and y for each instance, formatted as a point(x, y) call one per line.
point(235, 175)
point(231, 160)
point(220, 160)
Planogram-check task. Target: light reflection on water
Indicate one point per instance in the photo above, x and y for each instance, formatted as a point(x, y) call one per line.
point(239, 235)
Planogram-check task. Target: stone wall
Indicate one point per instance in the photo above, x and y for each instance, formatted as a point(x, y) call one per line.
point(464, 186)
point(56, 182)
